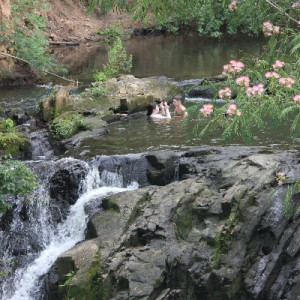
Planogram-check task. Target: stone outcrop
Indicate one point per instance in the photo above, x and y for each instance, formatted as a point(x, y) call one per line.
point(124, 95)
point(56, 103)
point(222, 232)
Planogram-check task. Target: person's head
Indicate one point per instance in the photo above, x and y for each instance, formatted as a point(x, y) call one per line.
point(152, 108)
point(177, 100)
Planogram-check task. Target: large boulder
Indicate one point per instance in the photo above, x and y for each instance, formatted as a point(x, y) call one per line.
point(127, 94)
point(221, 233)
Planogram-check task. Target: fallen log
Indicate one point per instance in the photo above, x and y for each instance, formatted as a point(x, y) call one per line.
point(64, 43)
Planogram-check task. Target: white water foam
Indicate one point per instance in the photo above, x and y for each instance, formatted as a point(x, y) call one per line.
point(69, 233)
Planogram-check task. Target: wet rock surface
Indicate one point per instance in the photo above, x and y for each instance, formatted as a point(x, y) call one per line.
point(215, 234)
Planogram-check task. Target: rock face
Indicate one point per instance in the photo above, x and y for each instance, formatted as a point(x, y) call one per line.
point(132, 94)
point(215, 234)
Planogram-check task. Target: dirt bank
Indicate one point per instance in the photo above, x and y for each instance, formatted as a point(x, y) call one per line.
point(67, 21)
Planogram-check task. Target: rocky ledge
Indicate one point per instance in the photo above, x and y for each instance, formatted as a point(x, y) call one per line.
point(223, 231)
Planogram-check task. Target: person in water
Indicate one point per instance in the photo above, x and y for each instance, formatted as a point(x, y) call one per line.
point(153, 110)
point(180, 110)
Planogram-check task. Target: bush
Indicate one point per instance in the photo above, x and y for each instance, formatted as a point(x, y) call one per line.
point(15, 179)
point(66, 125)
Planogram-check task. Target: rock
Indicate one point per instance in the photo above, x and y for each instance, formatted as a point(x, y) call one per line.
point(56, 103)
point(216, 234)
point(65, 183)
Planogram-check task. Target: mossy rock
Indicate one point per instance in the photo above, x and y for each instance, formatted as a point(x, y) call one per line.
point(57, 103)
point(13, 143)
point(66, 125)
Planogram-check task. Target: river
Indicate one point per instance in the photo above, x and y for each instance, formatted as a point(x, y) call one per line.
point(178, 57)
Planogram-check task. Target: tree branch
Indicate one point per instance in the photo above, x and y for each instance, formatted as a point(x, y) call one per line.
point(275, 5)
point(25, 61)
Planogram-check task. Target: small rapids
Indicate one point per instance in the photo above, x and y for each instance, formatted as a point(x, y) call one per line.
point(26, 283)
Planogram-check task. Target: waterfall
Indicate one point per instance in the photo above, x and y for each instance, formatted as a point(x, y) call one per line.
point(27, 281)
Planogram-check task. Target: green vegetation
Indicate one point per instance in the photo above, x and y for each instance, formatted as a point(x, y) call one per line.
point(24, 33)
point(15, 179)
point(10, 140)
point(91, 286)
point(112, 32)
point(118, 63)
point(290, 199)
point(66, 125)
point(258, 92)
point(212, 17)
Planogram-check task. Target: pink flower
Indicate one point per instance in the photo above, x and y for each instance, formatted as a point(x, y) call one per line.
point(243, 81)
point(255, 90)
point(280, 177)
point(276, 29)
point(272, 75)
point(287, 82)
point(206, 109)
point(296, 98)
point(233, 5)
point(269, 29)
point(225, 93)
point(278, 64)
point(231, 111)
point(295, 4)
point(233, 67)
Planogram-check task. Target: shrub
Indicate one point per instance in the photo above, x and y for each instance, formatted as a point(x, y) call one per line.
point(66, 125)
point(15, 178)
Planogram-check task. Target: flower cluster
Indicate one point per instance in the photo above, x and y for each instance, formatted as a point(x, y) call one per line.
point(287, 82)
point(233, 67)
point(296, 4)
point(280, 177)
point(272, 75)
point(225, 93)
point(278, 64)
point(233, 5)
point(206, 109)
point(255, 90)
point(232, 110)
point(269, 29)
point(296, 98)
point(243, 81)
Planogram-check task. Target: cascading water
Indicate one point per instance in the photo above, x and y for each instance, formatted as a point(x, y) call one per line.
point(26, 282)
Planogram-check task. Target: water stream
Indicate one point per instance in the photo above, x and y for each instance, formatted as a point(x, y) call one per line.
point(44, 238)
point(26, 282)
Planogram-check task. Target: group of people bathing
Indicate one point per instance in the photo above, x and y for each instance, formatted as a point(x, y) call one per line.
point(161, 110)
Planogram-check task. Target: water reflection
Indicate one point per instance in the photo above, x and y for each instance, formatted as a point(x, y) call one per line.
point(179, 57)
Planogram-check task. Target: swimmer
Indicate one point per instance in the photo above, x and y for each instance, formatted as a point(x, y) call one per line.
point(180, 110)
point(153, 110)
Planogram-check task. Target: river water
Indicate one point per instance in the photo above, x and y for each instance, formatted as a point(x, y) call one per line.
point(178, 57)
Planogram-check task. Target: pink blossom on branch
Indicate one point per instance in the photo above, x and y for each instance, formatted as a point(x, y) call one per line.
point(243, 81)
point(232, 110)
point(287, 82)
point(233, 5)
point(225, 93)
point(206, 110)
point(269, 29)
point(295, 4)
point(296, 98)
point(233, 67)
point(255, 90)
point(280, 177)
point(272, 75)
point(278, 64)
